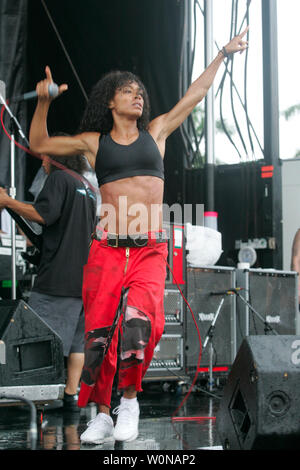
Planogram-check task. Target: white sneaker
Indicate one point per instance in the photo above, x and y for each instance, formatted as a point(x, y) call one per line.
point(126, 428)
point(99, 430)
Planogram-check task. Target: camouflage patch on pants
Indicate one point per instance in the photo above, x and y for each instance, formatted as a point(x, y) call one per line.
point(97, 342)
point(136, 334)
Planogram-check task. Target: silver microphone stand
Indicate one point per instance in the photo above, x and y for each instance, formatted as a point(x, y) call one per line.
point(209, 337)
point(14, 127)
point(267, 328)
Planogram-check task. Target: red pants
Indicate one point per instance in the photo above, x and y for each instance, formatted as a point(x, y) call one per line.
point(123, 291)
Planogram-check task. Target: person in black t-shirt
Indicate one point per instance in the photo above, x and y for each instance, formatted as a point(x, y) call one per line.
point(66, 209)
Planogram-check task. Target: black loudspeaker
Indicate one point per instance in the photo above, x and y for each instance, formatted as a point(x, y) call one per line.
point(260, 408)
point(201, 283)
point(31, 352)
point(274, 296)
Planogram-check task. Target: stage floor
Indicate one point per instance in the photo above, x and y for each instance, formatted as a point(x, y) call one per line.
point(59, 430)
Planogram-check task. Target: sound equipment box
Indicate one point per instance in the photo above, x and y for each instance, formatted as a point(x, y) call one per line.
point(260, 407)
point(201, 284)
point(31, 352)
point(168, 356)
point(168, 359)
point(274, 296)
point(173, 307)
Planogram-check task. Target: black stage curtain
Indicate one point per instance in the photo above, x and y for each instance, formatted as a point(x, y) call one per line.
point(143, 36)
point(13, 31)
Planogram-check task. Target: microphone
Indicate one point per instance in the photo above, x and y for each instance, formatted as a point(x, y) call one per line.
point(52, 90)
point(2, 90)
point(234, 290)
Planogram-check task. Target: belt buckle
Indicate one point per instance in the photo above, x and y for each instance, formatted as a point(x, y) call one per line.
point(140, 242)
point(109, 240)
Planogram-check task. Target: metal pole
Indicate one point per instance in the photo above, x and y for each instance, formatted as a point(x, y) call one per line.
point(14, 127)
point(273, 201)
point(211, 379)
point(209, 109)
point(12, 193)
point(270, 80)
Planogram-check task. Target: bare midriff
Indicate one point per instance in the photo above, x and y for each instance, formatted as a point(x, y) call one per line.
point(132, 205)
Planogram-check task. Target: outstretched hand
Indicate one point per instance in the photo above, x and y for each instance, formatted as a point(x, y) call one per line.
point(237, 44)
point(42, 87)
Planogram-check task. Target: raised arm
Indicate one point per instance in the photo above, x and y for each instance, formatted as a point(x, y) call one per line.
point(39, 139)
point(164, 125)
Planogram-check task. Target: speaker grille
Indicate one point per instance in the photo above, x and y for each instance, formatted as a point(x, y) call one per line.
point(273, 295)
point(32, 355)
point(201, 282)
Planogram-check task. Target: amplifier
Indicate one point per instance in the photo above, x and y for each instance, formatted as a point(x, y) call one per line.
point(173, 306)
point(168, 358)
point(201, 283)
point(274, 296)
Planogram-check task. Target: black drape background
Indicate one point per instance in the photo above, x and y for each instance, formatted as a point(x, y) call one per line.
point(13, 34)
point(145, 37)
point(141, 36)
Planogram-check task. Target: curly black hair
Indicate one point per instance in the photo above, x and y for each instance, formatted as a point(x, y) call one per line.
point(77, 163)
point(97, 116)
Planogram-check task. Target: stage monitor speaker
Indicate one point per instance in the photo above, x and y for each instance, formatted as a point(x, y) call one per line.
point(32, 353)
point(201, 283)
point(274, 296)
point(260, 407)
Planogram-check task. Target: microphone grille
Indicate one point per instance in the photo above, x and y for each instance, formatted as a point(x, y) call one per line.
point(53, 90)
point(2, 90)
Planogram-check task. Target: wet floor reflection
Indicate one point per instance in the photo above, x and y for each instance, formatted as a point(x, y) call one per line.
point(59, 430)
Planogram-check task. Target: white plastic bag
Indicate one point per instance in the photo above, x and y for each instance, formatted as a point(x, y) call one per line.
point(204, 245)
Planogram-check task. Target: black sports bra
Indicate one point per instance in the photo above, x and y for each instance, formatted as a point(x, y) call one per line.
point(116, 161)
